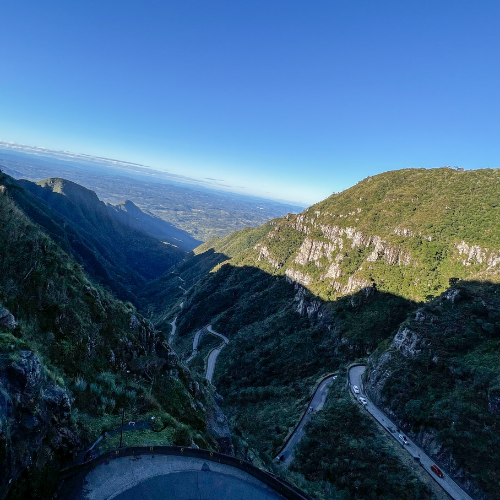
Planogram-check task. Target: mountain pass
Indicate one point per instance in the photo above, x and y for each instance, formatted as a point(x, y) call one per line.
point(287, 453)
point(452, 488)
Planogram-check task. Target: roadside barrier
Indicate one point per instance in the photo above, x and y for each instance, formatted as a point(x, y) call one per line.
point(278, 485)
point(305, 412)
point(416, 458)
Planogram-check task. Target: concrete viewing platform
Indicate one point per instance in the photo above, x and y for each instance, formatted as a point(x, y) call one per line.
point(167, 477)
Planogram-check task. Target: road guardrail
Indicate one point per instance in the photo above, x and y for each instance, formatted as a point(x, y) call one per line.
point(278, 485)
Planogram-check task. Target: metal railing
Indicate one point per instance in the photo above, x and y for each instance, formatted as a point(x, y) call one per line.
point(278, 485)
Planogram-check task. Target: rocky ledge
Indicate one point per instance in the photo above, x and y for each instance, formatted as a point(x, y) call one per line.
point(36, 430)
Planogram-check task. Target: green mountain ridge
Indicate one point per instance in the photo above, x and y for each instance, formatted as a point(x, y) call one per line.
point(120, 257)
point(132, 216)
point(306, 294)
point(65, 345)
point(400, 271)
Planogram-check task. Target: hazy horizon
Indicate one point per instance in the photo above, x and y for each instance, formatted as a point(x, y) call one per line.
point(280, 100)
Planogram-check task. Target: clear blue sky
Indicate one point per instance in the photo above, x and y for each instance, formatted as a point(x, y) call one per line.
point(284, 99)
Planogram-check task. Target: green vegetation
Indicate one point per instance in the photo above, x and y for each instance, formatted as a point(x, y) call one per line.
point(299, 297)
point(442, 203)
point(344, 447)
point(450, 389)
point(275, 356)
point(115, 255)
point(86, 339)
point(397, 242)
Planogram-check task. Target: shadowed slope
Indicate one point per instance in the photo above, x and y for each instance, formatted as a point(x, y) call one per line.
point(118, 256)
point(132, 216)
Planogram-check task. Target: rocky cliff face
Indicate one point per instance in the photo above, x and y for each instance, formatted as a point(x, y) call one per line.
point(306, 293)
point(333, 249)
point(440, 381)
point(36, 430)
point(404, 231)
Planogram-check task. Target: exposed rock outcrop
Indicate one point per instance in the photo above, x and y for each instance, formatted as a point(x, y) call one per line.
point(475, 253)
point(265, 254)
point(334, 271)
point(313, 251)
point(35, 421)
point(7, 319)
point(407, 342)
point(305, 304)
point(353, 285)
point(217, 426)
point(298, 277)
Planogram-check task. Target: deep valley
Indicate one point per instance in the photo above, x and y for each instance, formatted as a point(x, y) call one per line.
point(400, 273)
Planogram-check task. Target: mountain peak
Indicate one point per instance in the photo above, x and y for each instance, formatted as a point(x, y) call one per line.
point(130, 207)
point(76, 192)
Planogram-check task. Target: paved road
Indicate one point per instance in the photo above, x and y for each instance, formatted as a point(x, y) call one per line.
point(213, 332)
point(167, 477)
point(446, 482)
point(212, 358)
point(173, 324)
point(318, 401)
point(196, 340)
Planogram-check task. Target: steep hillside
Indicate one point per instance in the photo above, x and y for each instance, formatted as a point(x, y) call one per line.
point(65, 347)
point(439, 377)
point(132, 216)
point(344, 447)
point(306, 294)
point(161, 295)
point(115, 254)
point(405, 232)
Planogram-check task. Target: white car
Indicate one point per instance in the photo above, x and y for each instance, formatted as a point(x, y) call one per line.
point(362, 400)
point(355, 388)
point(311, 409)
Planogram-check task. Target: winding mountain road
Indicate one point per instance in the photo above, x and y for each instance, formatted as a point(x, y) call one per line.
point(452, 488)
point(287, 453)
point(212, 357)
point(196, 341)
point(173, 324)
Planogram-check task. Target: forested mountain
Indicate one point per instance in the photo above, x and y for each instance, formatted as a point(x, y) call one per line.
point(118, 256)
point(71, 354)
point(439, 378)
point(306, 294)
point(401, 272)
point(132, 216)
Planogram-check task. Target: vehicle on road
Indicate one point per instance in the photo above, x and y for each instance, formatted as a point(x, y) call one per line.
point(362, 400)
point(355, 388)
point(403, 438)
point(310, 410)
point(437, 471)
